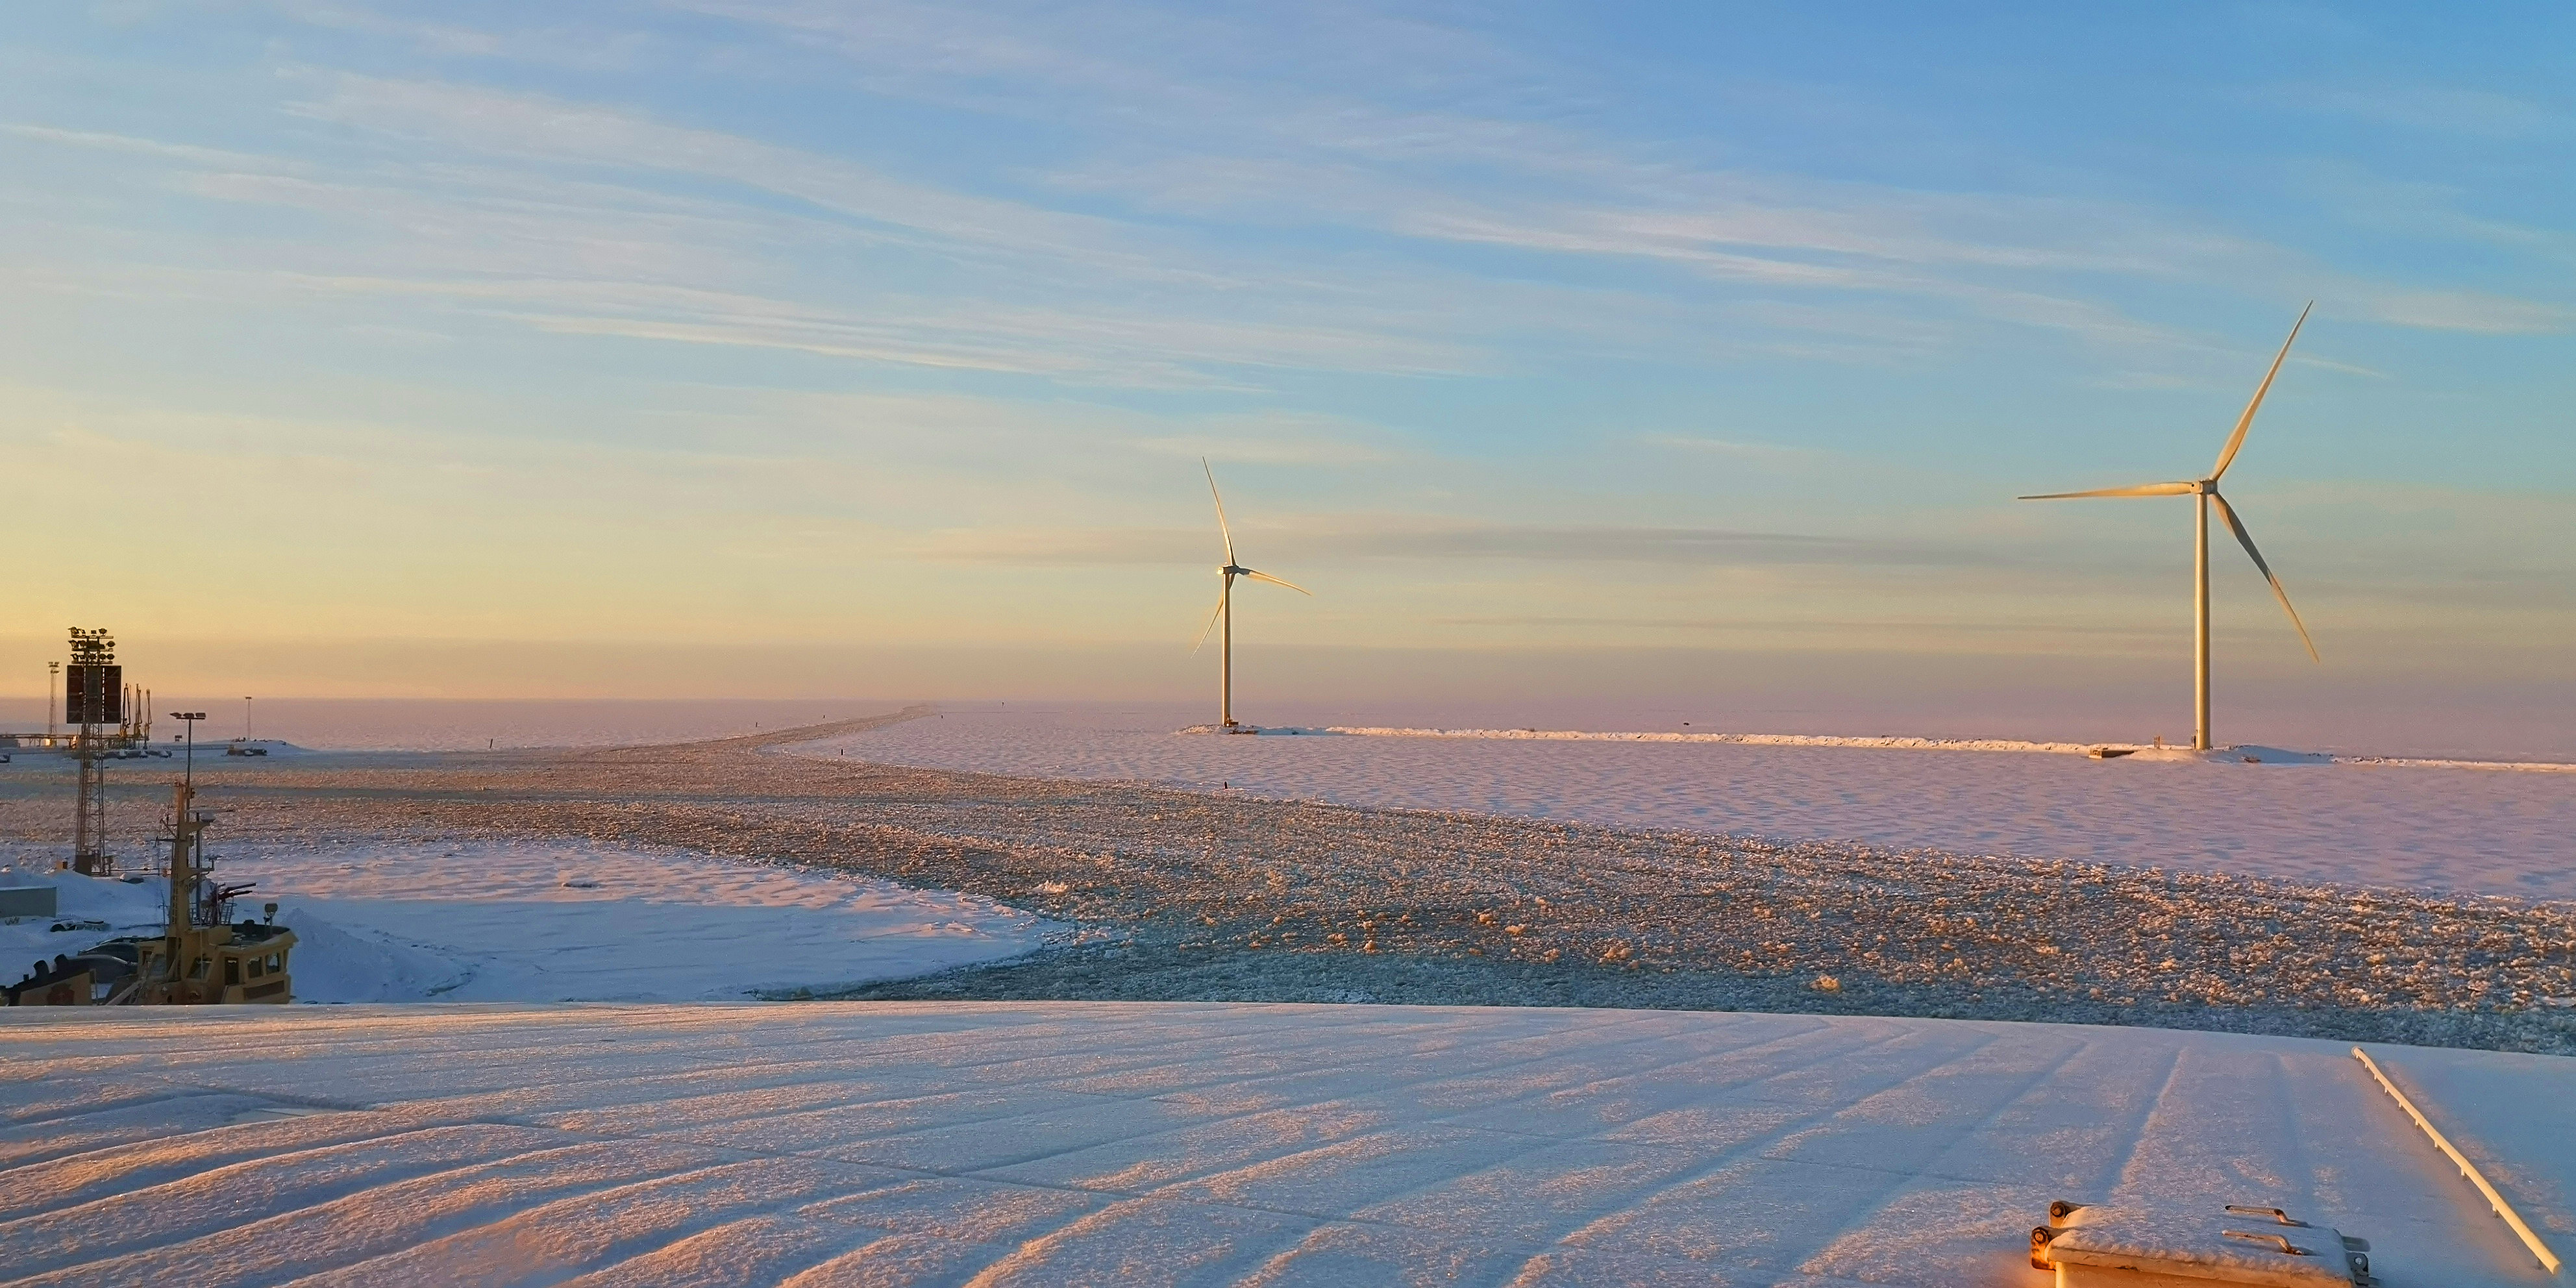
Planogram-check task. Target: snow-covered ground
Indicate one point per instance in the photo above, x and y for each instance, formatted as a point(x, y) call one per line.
point(1056, 1143)
point(80, 903)
point(2414, 826)
point(532, 922)
point(2246, 753)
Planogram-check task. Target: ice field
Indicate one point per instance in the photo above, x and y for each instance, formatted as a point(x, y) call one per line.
point(611, 1139)
point(832, 1144)
point(2422, 828)
point(381, 921)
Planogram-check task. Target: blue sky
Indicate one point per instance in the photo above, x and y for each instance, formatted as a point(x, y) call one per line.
point(1566, 329)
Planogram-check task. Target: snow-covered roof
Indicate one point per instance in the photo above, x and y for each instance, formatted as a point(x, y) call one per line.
point(1155, 1143)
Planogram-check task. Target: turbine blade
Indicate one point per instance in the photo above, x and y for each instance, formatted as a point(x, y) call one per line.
point(2246, 421)
point(2143, 489)
point(2227, 512)
point(1213, 614)
point(1220, 509)
point(1263, 576)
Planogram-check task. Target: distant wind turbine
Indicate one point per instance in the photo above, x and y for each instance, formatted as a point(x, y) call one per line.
point(2206, 490)
point(1225, 606)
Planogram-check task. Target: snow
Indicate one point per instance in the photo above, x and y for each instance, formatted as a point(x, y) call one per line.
point(1049, 1143)
point(2245, 753)
point(528, 921)
point(823, 1144)
point(2432, 826)
point(78, 900)
point(2203, 1244)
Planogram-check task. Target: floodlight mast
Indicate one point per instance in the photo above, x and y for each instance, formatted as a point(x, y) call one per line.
point(191, 717)
point(93, 696)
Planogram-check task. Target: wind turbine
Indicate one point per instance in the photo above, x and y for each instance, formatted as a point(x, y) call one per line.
point(2206, 493)
point(1225, 606)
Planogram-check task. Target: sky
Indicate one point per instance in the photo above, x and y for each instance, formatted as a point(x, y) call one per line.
point(763, 348)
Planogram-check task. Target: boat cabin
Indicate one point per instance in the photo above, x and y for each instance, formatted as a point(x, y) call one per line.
point(241, 962)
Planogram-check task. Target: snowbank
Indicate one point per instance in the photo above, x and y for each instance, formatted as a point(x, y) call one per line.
point(529, 921)
point(1739, 739)
point(84, 903)
point(1266, 731)
point(2247, 754)
point(1091, 1143)
point(334, 964)
point(378, 922)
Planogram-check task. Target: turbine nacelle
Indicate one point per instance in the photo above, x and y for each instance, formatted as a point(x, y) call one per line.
point(1232, 571)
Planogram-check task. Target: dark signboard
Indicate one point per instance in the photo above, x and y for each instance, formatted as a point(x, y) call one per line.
point(93, 694)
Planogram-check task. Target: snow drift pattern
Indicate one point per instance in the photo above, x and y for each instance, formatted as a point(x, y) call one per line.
point(1059, 1143)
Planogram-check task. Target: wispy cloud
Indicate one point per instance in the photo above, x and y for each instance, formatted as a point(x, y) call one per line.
point(535, 127)
point(2444, 110)
point(591, 256)
point(2469, 311)
point(1277, 438)
point(1764, 455)
point(1205, 129)
point(103, 140)
point(1912, 626)
point(1415, 539)
point(957, 294)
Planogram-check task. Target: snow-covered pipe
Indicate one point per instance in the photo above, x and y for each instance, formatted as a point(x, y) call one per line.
point(2548, 1260)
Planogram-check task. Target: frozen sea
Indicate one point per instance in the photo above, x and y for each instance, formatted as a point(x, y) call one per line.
point(403, 724)
point(2465, 830)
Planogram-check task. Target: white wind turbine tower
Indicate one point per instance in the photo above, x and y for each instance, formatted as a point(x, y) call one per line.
point(1225, 607)
point(2206, 492)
